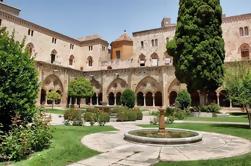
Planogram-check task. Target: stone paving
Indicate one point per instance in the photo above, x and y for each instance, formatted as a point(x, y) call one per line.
point(118, 152)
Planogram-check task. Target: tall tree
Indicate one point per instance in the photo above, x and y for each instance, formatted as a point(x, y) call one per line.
point(53, 96)
point(238, 85)
point(18, 82)
point(80, 88)
point(198, 47)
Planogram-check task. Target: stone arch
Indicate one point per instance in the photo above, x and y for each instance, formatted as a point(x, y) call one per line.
point(51, 82)
point(142, 60)
point(96, 86)
point(158, 99)
point(148, 84)
point(244, 50)
point(149, 99)
point(174, 86)
point(30, 48)
point(224, 102)
point(111, 98)
point(117, 85)
point(89, 61)
point(155, 59)
point(195, 96)
point(140, 99)
point(71, 60)
point(53, 56)
point(172, 98)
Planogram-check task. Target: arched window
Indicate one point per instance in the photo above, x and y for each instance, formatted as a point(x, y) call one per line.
point(241, 31)
point(30, 48)
point(71, 60)
point(53, 56)
point(246, 31)
point(245, 50)
point(155, 59)
point(142, 60)
point(90, 61)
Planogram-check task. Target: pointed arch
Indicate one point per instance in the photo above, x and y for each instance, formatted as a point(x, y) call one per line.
point(89, 61)
point(117, 85)
point(71, 60)
point(30, 48)
point(148, 84)
point(155, 59)
point(244, 50)
point(53, 56)
point(142, 60)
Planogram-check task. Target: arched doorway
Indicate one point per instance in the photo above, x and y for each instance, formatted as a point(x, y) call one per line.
point(118, 98)
point(212, 97)
point(140, 99)
point(100, 98)
point(43, 97)
point(224, 102)
point(149, 99)
point(94, 99)
point(111, 99)
point(172, 98)
point(59, 100)
point(158, 99)
point(195, 98)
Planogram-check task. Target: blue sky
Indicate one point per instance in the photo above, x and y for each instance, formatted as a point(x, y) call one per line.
point(108, 18)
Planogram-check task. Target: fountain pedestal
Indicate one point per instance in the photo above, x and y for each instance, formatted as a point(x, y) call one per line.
point(162, 124)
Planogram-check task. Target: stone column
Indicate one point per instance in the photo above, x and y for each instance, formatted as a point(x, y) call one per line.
point(115, 99)
point(90, 101)
point(162, 121)
point(218, 99)
point(70, 102)
point(231, 103)
point(108, 100)
point(97, 99)
point(144, 99)
point(153, 99)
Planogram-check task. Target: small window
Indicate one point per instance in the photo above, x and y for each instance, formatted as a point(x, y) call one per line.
point(71, 60)
point(142, 44)
point(246, 31)
point(241, 31)
point(103, 48)
point(30, 32)
point(90, 61)
point(118, 54)
point(153, 43)
point(156, 42)
point(90, 48)
point(71, 46)
point(54, 40)
point(53, 58)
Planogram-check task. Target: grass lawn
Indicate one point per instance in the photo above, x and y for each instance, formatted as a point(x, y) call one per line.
point(66, 147)
point(219, 119)
point(235, 130)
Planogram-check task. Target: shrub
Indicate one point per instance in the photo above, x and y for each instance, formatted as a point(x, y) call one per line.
point(155, 120)
point(103, 118)
point(214, 108)
point(23, 140)
point(175, 113)
point(128, 98)
point(132, 115)
point(183, 100)
point(139, 113)
point(90, 117)
point(122, 116)
point(18, 80)
point(73, 115)
point(179, 114)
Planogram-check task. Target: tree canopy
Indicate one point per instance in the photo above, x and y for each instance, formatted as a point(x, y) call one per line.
point(128, 98)
point(198, 47)
point(53, 95)
point(238, 86)
point(80, 87)
point(18, 80)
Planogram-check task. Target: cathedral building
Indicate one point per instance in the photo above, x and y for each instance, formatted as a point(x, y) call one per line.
point(138, 61)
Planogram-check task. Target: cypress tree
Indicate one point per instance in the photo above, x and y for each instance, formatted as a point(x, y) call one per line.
point(198, 47)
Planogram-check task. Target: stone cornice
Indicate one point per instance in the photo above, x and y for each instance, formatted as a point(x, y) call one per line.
point(9, 9)
point(156, 30)
point(236, 18)
point(28, 24)
point(173, 27)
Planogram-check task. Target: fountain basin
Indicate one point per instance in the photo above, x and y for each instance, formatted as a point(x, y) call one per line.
point(171, 136)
